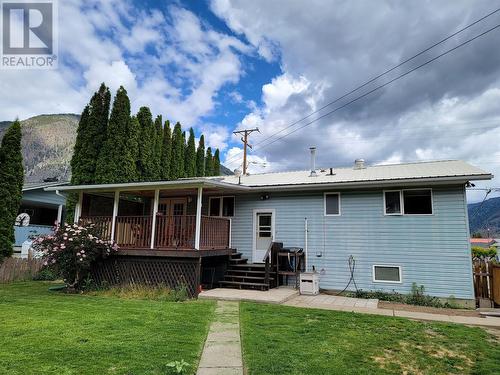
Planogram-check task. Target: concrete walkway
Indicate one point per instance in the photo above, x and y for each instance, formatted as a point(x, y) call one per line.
point(222, 351)
point(290, 297)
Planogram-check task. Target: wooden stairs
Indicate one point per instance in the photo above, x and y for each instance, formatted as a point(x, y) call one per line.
point(243, 275)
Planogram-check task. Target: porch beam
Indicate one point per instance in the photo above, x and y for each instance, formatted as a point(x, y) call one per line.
point(78, 208)
point(116, 203)
point(197, 238)
point(155, 211)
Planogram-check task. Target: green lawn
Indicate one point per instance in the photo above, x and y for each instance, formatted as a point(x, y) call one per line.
point(289, 340)
point(44, 332)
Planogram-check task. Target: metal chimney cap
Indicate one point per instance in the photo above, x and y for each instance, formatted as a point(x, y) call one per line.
point(359, 164)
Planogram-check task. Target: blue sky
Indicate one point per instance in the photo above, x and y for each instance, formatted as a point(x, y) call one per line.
point(221, 65)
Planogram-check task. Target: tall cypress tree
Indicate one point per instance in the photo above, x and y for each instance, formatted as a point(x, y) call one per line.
point(134, 141)
point(190, 159)
point(209, 163)
point(200, 157)
point(166, 152)
point(158, 147)
point(147, 145)
point(116, 161)
point(11, 186)
point(90, 138)
point(216, 163)
point(177, 158)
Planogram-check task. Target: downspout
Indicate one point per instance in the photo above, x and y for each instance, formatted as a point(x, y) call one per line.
point(306, 231)
point(60, 208)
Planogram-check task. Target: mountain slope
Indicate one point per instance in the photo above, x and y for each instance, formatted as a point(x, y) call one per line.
point(485, 216)
point(47, 142)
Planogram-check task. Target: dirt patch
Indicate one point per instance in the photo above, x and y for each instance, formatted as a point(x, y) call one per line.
point(403, 355)
point(432, 310)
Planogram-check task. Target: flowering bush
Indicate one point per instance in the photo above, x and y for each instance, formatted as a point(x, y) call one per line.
point(71, 251)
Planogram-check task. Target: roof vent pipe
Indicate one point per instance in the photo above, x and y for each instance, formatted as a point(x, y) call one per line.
point(313, 162)
point(359, 164)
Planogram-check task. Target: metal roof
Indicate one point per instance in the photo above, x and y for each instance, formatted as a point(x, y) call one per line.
point(41, 185)
point(445, 171)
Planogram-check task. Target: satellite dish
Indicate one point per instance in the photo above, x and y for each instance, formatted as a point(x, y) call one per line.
point(23, 220)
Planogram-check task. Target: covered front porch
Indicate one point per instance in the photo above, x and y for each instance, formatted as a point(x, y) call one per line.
point(160, 220)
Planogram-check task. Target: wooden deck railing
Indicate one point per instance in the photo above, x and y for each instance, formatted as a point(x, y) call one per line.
point(133, 231)
point(175, 231)
point(214, 233)
point(171, 232)
point(102, 223)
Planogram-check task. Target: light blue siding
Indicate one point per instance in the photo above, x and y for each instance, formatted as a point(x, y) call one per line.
point(23, 233)
point(432, 250)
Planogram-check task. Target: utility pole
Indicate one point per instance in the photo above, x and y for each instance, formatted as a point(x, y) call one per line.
point(244, 139)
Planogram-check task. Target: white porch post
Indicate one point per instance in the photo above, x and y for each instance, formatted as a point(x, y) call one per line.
point(78, 208)
point(198, 219)
point(155, 211)
point(116, 202)
point(59, 214)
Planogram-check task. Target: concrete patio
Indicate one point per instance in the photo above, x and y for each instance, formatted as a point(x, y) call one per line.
point(276, 295)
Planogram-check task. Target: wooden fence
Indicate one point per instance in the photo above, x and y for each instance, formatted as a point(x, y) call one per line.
point(486, 281)
point(19, 269)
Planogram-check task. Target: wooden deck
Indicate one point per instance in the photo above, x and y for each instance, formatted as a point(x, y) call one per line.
point(175, 253)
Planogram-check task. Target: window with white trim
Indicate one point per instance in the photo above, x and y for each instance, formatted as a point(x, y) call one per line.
point(332, 204)
point(386, 274)
point(221, 206)
point(408, 202)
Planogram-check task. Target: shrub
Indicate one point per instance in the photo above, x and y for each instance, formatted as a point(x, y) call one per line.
point(416, 297)
point(72, 250)
point(486, 253)
point(45, 274)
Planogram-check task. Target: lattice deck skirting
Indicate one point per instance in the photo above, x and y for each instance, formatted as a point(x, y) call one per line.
point(171, 272)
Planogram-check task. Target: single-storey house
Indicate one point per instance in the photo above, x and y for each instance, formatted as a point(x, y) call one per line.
point(484, 242)
point(39, 211)
point(388, 225)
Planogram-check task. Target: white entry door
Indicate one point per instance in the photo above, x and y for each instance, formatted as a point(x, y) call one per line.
point(263, 233)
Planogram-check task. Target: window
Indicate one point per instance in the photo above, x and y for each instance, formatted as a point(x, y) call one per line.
point(386, 274)
point(332, 204)
point(408, 202)
point(417, 202)
point(392, 201)
point(221, 206)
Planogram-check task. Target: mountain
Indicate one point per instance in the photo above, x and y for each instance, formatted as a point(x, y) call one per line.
point(48, 142)
point(485, 216)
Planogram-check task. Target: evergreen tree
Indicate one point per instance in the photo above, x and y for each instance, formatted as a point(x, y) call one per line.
point(116, 161)
point(147, 145)
point(200, 157)
point(190, 159)
point(166, 152)
point(90, 138)
point(209, 163)
point(133, 144)
point(158, 148)
point(11, 186)
point(216, 163)
point(177, 158)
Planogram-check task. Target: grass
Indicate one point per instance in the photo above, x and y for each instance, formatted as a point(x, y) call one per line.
point(44, 332)
point(289, 340)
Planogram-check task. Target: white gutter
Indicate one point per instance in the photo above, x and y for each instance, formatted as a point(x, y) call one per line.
point(165, 185)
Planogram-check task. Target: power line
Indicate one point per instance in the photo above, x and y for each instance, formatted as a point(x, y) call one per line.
point(382, 74)
point(383, 85)
point(246, 133)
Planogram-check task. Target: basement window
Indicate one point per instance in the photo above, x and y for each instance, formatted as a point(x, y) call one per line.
point(408, 202)
point(221, 206)
point(332, 204)
point(386, 274)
